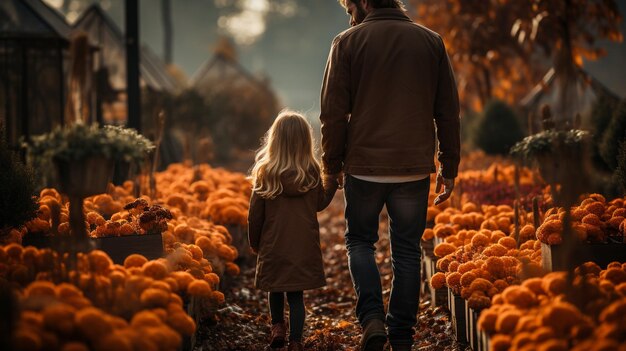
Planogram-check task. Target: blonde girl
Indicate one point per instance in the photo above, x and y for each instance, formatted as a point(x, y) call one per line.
point(288, 191)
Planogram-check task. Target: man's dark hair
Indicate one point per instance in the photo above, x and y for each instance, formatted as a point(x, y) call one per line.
point(378, 4)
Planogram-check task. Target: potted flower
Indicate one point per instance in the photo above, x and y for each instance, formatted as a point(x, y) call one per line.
point(83, 155)
point(559, 154)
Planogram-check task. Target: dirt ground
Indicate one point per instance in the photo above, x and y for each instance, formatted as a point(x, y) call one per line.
point(243, 324)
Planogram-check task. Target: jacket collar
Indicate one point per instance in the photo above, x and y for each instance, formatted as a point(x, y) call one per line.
point(386, 14)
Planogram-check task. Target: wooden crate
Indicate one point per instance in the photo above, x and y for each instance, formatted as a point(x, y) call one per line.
point(117, 247)
point(437, 241)
point(38, 241)
point(428, 247)
point(554, 257)
point(429, 268)
point(239, 234)
point(457, 310)
point(471, 328)
point(120, 247)
point(438, 297)
point(484, 341)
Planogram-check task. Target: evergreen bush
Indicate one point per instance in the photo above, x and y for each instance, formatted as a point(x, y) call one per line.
point(620, 172)
point(601, 114)
point(17, 190)
point(614, 134)
point(498, 129)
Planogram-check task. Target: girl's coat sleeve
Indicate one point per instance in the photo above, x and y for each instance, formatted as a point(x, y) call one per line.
point(326, 192)
point(256, 216)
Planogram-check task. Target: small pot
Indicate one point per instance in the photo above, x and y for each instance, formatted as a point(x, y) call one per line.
point(85, 177)
point(124, 171)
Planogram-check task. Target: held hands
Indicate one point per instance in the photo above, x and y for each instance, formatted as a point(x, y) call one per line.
point(448, 186)
point(337, 177)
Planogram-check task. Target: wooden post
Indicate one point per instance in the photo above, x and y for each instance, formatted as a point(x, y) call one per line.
point(166, 16)
point(132, 65)
point(516, 222)
point(517, 203)
point(536, 215)
point(157, 144)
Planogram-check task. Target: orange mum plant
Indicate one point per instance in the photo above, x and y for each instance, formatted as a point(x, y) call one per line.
point(479, 258)
point(594, 220)
point(538, 315)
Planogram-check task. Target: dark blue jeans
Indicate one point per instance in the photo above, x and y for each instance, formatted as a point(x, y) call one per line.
point(406, 205)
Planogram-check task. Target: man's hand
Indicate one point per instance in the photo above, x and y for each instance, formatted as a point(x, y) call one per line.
point(338, 177)
point(448, 186)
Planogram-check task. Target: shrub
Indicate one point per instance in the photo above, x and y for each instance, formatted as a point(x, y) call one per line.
point(614, 134)
point(498, 129)
point(620, 172)
point(17, 188)
point(601, 114)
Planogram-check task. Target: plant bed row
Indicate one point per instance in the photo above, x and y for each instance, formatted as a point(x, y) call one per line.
point(118, 248)
point(556, 257)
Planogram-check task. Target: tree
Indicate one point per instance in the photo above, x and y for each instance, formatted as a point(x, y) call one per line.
point(601, 115)
point(614, 135)
point(17, 188)
point(488, 61)
point(620, 173)
point(500, 48)
point(498, 129)
point(567, 32)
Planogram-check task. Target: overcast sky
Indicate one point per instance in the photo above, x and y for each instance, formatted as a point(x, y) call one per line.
point(286, 40)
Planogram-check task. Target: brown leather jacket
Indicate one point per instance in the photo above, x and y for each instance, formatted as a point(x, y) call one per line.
point(388, 94)
point(285, 232)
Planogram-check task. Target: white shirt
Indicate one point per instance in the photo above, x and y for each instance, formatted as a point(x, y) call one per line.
point(392, 178)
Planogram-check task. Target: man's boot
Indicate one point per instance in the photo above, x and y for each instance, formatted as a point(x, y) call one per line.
point(374, 335)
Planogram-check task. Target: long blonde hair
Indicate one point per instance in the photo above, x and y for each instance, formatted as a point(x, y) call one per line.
point(287, 146)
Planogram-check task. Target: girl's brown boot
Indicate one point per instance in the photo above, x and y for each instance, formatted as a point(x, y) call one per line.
point(278, 335)
point(296, 346)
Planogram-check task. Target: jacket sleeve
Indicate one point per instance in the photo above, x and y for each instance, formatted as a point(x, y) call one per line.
point(256, 217)
point(325, 193)
point(447, 118)
point(335, 108)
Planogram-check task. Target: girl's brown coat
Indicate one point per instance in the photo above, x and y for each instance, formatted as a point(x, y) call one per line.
point(285, 233)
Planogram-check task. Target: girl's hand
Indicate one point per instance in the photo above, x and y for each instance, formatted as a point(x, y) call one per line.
point(334, 178)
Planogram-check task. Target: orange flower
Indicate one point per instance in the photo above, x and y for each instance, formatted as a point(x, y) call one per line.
point(40, 289)
point(519, 296)
point(444, 249)
point(152, 297)
point(487, 321)
point(135, 260)
point(155, 269)
point(501, 343)
point(59, 318)
point(199, 288)
point(232, 269)
point(438, 280)
point(218, 297)
point(99, 262)
point(560, 316)
point(615, 275)
point(182, 323)
point(183, 279)
point(92, 323)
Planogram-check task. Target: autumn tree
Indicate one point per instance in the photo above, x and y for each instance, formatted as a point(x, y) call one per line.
point(241, 106)
point(567, 32)
point(488, 61)
point(500, 48)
